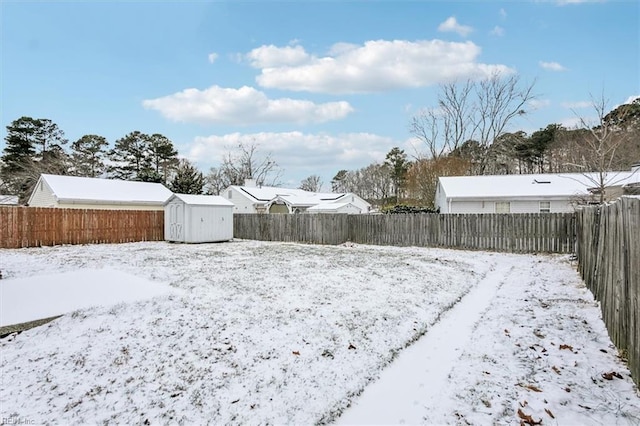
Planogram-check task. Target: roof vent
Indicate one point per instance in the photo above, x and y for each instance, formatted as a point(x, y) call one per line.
point(541, 181)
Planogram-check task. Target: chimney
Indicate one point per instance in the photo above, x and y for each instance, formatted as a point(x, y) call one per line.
point(250, 183)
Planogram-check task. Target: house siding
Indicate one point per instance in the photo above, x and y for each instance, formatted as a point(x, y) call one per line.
point(110, 206)
point(461, 207)
point(441, 199)
point(532, 206)
point(361, 204)
point(242, 202)
point(43, 196)
point(516, 206)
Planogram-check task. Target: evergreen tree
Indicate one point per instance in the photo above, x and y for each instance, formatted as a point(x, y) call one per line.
point(338, 181)
point(163, 157)
point(20, 146)
point(48, 137)
point(397, 160)
point(188, 179)
point(33, 146)
point(131, 157)
point(88, 154)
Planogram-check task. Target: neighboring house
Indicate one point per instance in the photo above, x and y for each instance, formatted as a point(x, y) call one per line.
point(267, 199)
point(535, 193)
point(8, 200)
point(346, 208)
point(93, 193)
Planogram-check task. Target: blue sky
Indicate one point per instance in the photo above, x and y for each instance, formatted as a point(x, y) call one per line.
point(322, 85)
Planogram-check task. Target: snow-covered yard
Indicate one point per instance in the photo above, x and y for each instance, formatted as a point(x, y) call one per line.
point(284, 333)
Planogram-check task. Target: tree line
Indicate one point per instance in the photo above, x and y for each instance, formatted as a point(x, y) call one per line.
point(37, 145)
point(465, 135)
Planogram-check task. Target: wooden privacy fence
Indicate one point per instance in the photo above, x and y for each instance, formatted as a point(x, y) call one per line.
point(608, 239)
point(35, 226)
point(517, 233)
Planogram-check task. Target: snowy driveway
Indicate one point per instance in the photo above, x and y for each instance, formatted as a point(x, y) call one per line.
point(287, 333)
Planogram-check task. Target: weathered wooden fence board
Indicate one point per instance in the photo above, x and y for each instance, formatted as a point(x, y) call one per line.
point(608, 248)
point(519, 233)
point(33, 226)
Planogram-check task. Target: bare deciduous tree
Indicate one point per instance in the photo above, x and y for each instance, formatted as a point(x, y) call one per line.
point(312, 183)
point(422, 177)
point(599, 143)
point(244, 161)
point(473, 110)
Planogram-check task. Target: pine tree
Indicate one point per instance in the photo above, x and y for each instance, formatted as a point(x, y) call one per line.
point(163, 156)
point(397, 161)
point(33, 146)
point(188, 179)
point(131, 157)
point(88, 154)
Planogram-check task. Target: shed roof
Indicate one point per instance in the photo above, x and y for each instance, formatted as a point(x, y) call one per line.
point(92, 190)
point(201, 200)
point(530, 185)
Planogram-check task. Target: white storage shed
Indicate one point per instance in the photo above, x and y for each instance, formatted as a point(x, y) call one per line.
point(198, 219)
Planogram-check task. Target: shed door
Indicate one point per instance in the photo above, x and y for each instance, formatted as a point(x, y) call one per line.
point(176, 222)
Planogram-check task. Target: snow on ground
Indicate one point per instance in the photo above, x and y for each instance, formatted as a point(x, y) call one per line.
point(38, 297)
point(287, 333)
point(527, 343)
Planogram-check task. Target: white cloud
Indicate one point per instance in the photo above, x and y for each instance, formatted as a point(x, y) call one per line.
point(503, 14)
point(300, 154)
point(551, 66)
point(451, 25)
point(539, 103)
point(244, 106)
point(577, 105)
point(497, 31)
point(372, 67)
point(212, 57)
point(272, 56)
point(576, 122)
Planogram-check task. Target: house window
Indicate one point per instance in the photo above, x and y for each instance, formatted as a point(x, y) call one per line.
point(545, 206)
point(230, 194)
point(503, 207)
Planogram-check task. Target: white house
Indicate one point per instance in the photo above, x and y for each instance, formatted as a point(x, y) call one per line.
point(198, 219)
point(534, 193)
point(267, 199)
point(93, 193)
point(346, 208)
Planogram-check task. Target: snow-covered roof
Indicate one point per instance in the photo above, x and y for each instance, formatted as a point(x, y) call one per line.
point(531, 185)
point(9, 200)
point(202, 200)
point(268, 193)
point(92, 190)
point(326, 207)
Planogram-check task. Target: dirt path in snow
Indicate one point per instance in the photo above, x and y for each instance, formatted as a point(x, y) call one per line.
point(411, 385)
